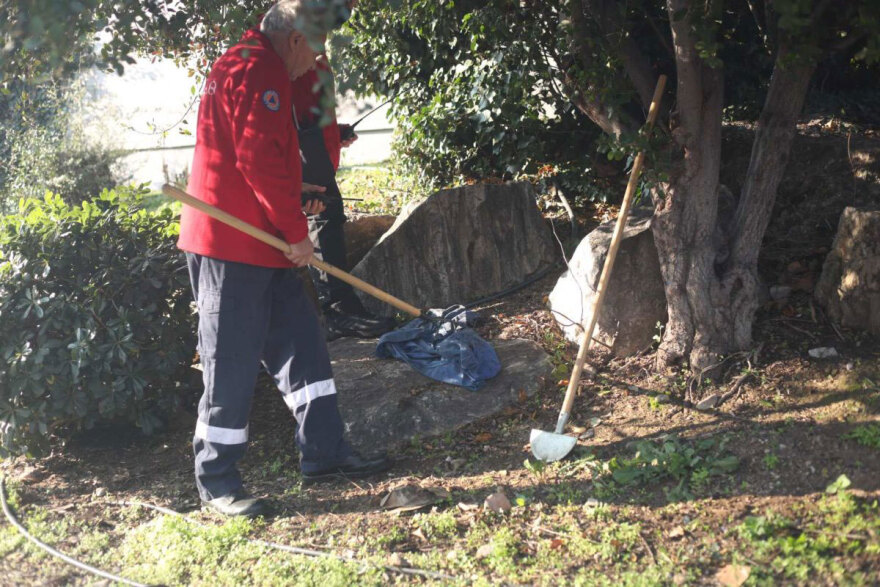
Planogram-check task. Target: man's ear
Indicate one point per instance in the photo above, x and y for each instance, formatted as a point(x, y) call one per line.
point(293, 40)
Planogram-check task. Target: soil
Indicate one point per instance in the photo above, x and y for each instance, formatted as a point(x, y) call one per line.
point(781, 403)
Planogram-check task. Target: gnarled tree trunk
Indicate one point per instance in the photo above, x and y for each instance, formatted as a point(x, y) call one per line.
point(708, 259)
point(710, 263)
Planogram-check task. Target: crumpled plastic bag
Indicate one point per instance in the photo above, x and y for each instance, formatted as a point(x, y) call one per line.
point(443, 347)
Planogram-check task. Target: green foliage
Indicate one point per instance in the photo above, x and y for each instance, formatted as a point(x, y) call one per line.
point(789, 550)
point(95, 321)
point(690, 464)
point(376, 188)
point(437, 526)
point(866, 435)
point(475, 86)
point(43, 146)
point(40, 36)
point(839, 485)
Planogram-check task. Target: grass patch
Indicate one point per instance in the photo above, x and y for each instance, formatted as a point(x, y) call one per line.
point(866, 435)
point(785, 549)
point(173, 551)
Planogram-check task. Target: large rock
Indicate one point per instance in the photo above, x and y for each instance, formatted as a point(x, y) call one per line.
point(849, 287)
point(385, 403)
point(459, 245)
point(361, 233)
point(635, 301)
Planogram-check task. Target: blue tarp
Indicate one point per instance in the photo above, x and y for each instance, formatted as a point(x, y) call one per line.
point(444, 348)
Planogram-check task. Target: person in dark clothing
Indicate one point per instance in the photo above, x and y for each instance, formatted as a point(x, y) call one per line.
point(344, 314)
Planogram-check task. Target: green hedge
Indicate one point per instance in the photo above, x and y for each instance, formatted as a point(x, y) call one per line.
point(95, 317)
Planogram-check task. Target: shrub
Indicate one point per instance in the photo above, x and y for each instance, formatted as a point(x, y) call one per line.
point(95, 320)
point(44, 145)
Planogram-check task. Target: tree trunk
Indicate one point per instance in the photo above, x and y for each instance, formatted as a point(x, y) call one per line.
point(685, 215)
point(709, 264)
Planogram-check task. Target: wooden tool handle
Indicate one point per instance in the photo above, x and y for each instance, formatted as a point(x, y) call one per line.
point(616, 237)
point(284, 247)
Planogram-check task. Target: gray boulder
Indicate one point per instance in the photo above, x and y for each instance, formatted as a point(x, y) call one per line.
point(362, 233)
point(849, 287)
point(459, 245)
point(384, 403)
point(635, 301)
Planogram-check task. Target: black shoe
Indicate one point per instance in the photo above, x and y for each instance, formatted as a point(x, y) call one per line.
point(238, 503)
point(339, 324)
point(353, 467)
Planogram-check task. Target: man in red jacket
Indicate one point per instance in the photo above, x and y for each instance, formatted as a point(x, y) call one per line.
point(252, 307)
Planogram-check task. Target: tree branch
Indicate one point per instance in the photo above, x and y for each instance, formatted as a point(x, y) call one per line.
point(759, 19)
point(612, 24)
point(774, 135)
point(583, 94)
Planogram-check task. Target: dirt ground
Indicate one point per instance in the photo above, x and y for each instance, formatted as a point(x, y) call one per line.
point(748, 491)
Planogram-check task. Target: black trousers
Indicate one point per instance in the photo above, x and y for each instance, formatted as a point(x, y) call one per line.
point(251, 316)
point(329, 225)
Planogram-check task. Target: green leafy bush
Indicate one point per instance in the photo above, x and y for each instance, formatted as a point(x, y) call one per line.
point(475, 94)
point(95, 320)
point(44, 145)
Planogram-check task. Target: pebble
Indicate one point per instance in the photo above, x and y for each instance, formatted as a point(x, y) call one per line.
point(709, 402)
point(823, 352)
point(498, 503)
point(485, 550)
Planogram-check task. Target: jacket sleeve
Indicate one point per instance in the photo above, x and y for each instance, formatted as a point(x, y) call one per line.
point(266, 148)
point(332, 140)
point(333, 143)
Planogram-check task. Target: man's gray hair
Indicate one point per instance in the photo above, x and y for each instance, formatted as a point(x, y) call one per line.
point(283, 17)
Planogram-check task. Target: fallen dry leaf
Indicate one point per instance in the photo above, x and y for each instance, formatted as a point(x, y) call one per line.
point(483, 437)
point(676, 533)
point(412, 497)
point(733, 575)
point(556, 544)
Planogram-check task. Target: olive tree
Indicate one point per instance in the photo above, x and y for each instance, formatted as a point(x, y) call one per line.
point(605, 58)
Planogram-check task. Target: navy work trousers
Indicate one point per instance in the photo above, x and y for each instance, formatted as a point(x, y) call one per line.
point(248, 316)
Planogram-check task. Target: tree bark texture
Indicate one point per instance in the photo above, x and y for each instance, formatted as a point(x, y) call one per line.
point(709, 263)
point(686, 213)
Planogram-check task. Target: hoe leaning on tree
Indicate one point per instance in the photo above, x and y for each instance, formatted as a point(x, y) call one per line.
point(552, 446)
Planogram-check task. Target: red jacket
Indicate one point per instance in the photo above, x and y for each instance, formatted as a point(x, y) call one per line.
point(246, 160)
point(306, 94)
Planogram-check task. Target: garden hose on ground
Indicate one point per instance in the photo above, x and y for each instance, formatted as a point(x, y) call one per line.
point(69, 560)
point(266, 544)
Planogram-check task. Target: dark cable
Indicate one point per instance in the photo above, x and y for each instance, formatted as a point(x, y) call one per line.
point(512, 289)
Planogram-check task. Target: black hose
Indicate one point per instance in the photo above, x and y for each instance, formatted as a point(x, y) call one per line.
point(513, 289)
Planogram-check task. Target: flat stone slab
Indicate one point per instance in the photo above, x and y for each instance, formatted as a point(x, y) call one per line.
point(385, 403)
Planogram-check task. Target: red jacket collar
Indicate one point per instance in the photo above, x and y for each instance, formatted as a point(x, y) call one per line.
point(255, 37)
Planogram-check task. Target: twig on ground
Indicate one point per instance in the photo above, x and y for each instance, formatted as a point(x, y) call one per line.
point(801, 330)
point(648, 548)
point(735, 387)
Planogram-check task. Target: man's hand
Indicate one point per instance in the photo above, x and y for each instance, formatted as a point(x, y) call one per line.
point(347, 135)
point(313, 206)
point(300, 254)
